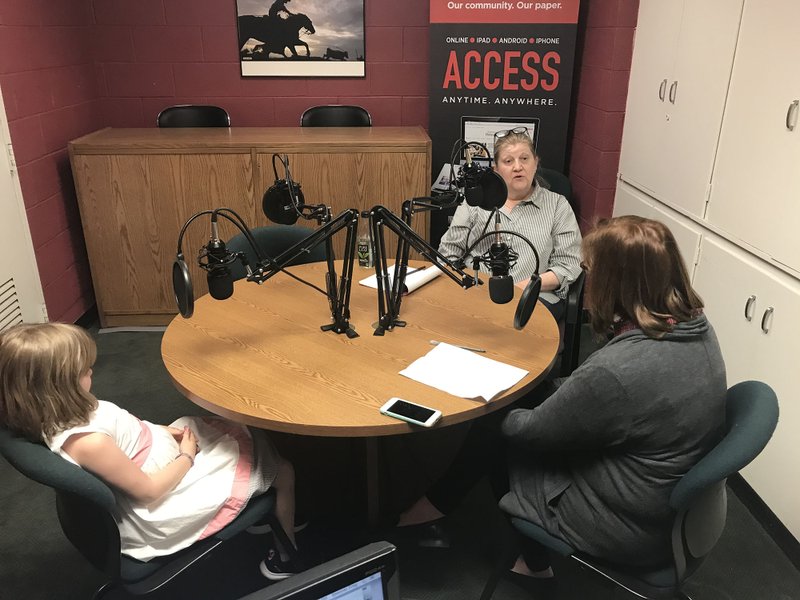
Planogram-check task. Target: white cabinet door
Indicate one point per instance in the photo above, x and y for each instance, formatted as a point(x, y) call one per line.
point(696, 100)
point(679, 78)
point(756, 186)
point(630, 201)
point(645, 116)
point(21, 295)
point(735, 285)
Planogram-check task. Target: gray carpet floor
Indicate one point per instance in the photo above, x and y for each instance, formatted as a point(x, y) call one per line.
point(37, 562)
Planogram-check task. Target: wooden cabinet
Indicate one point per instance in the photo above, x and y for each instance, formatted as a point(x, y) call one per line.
point(756, 187)
point(679, 77)
point(754, 310)
point(136, 188)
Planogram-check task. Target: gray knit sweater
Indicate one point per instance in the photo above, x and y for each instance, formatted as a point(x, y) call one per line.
point(596, 462)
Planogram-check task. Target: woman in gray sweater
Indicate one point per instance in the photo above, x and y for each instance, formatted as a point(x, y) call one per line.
point(595, 463)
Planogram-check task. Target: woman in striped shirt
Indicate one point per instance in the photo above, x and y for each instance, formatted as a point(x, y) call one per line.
point(531, 210)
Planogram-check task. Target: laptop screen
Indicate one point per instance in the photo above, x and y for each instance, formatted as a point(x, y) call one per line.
point(369, 573)
point(369, 588)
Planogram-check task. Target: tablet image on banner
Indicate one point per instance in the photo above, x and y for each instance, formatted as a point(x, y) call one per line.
point(482, 129)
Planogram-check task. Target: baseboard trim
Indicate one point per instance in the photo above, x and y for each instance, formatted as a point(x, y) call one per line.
point(766, 518)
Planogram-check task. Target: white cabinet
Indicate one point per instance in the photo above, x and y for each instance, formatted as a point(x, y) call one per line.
point(755, 310)
point(679, 77)
point(716, 157)
point(756, 184)
point(630, 201)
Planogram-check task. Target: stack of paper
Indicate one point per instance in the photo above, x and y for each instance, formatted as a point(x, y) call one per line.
point(415, 278)
point(463, 373)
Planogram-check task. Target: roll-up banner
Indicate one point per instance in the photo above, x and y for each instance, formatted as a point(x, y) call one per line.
point(495, 66)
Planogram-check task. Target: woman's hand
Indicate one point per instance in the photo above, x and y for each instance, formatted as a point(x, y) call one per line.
point(188, 442)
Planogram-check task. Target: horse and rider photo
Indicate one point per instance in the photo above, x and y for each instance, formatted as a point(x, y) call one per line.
point(300, 37)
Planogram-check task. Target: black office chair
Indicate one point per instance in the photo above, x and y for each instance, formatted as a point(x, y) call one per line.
point(193, 115)
point(573, 325)
point(336, 115)
point(557, 182)
point(699, 502)
point(273, 240)
point(85, 507)
point(574, 316)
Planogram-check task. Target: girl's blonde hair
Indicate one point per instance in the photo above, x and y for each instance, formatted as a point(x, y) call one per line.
point(40, 370)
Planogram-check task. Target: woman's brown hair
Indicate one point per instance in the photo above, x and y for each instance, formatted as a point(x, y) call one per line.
point(635, 271)
point(40, 370)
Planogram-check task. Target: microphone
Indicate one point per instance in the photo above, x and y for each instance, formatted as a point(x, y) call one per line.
point(218, 257)
point(501, 284)
point(501, 257)
point(283, 200)
point(483, 187)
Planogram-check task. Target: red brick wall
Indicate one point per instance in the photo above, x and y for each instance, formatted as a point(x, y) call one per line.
point(159, 52)
point(51, 96)
point(607, 31)
point(68, 67)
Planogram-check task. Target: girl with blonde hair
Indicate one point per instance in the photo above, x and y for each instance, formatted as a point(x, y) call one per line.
point(174, 484)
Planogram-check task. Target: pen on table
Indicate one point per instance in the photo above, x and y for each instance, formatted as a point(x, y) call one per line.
point(437, 342)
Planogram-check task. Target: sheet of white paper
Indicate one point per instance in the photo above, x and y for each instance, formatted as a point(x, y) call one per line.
point(463, 373)
point(415, 278)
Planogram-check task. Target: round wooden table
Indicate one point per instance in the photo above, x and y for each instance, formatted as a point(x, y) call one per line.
point(260, 357)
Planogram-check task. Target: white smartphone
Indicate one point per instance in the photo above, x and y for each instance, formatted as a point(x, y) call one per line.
point(410, 412)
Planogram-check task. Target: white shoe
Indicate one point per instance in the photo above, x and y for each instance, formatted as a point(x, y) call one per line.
point(273, 568)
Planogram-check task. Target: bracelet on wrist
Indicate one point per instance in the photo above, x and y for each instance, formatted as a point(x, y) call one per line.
point(191, 460)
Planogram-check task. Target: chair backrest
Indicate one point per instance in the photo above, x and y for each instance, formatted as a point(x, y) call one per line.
point(84, 503)
point(273, 240)
point(573, 323)
point(193, 115)
point(557, 182)
point(699, 498)
point(336, 115)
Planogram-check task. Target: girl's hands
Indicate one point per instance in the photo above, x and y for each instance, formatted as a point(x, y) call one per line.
point(188, 442)
point(176, 433)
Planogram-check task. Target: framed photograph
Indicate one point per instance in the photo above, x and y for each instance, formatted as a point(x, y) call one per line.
point(301, 38)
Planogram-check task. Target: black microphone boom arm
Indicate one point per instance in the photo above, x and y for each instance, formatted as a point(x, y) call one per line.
point(390, 296)
point(338, 292)
point(337, 289)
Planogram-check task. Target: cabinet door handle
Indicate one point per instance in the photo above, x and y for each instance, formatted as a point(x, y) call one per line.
point(673, 90)
point(748, 308)
point(662, 89)
point(791, 115)
point(766, 319)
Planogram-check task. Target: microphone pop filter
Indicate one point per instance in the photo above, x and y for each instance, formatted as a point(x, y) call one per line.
point(278, 205)
point(501, 289)
point(182, 287)
point(527, 302)
point(494, 190)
